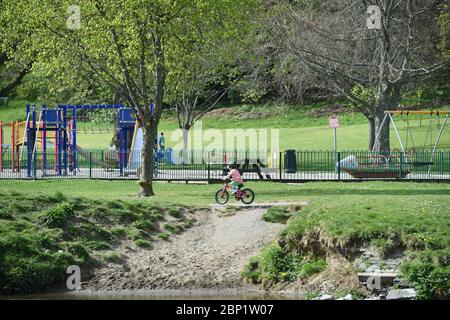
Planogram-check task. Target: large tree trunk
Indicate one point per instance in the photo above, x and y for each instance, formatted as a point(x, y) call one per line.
point(186, 156)
point(382, 142)
point(147, 161)
point(372, 133)
point(388, 99)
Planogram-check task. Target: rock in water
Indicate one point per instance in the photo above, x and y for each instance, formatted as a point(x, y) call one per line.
point(347, 297)
point(324, 297)
point(401, 294)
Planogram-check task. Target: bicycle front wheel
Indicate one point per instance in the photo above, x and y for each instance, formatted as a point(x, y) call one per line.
point(222, 196)
point(248, 196)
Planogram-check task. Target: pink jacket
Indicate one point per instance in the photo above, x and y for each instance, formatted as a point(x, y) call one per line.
point(236, 176)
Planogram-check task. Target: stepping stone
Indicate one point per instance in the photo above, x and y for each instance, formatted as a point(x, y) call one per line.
point(401, 294)
point(377, 278)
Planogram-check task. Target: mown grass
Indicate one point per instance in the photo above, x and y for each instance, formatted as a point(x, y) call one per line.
point(41, 235)
point(300, 128)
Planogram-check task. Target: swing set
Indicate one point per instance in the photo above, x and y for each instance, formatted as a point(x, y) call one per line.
point(398, 163)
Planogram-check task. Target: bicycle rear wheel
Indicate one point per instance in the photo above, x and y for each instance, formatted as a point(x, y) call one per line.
point(222, 196)
point(248, 196)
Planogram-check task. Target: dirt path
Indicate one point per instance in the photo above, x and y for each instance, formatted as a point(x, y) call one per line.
point(210, 255)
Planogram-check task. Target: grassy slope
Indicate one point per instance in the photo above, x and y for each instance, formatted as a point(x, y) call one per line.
point(300, 128)
point(41, 235)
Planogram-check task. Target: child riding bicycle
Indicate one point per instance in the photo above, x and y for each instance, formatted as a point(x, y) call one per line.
point(237, 182)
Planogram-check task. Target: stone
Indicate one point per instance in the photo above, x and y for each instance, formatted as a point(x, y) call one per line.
point(401, 294)
point(324, 297)
point(347, 297)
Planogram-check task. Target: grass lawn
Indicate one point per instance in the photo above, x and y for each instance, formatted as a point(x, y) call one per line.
point(303, 128)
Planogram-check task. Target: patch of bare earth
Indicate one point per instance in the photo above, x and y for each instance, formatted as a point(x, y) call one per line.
point(210, 255)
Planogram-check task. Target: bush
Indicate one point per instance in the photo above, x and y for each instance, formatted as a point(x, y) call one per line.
point(431, 281)
point(57, 216)
point(274, 265)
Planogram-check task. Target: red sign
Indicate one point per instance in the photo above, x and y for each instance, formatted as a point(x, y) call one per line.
point(333, 122)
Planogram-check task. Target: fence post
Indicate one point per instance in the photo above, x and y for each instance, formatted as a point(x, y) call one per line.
point(34, 165)
point(209, 169)
point(90, 164)
point(339, 165)
point(279, 165)
point(401, 165)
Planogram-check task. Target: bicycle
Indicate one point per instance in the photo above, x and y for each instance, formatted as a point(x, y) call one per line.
point(247, 196)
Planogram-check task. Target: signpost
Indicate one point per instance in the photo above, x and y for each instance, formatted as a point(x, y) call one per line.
point(333, 123)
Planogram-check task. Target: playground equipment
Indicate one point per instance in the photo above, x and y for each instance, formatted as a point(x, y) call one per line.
point(399, 162)
point(56, 130)
point(12, 148)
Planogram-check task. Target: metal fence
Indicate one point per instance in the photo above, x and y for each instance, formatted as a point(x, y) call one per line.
point(201, 165)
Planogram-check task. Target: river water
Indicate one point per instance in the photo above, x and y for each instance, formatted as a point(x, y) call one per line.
point(157, 295)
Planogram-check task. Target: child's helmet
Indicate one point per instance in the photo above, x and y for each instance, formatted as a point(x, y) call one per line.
point(232, 165)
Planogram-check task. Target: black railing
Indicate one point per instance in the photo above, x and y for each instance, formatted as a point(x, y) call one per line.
point(200, 165)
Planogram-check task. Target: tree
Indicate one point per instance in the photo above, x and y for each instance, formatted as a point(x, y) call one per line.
point(15, 63)
point(130, 44)
point(369, 66)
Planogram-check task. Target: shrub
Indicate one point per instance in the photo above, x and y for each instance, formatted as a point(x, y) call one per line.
point(143, 224)
point(163, 236)
point(275, 265)
point(112, 256)
point(142, 243)
point(175, 212)
point(430, 282)
point(57, 216)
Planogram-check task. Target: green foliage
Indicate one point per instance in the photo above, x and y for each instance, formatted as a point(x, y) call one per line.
point(143, 243)
point(143, 224)
point(5, 215)
point(274, 265)
point(175, 212)
point(428, 272)
point(112, 256)
point(173, 228)
point(163, 236)
point(30, 258)
point(58, 216)
point(277, 214)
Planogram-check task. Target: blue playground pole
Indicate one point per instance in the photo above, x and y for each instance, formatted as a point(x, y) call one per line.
point(64, 136)
point(28, 143)
point(59, 142)
point(121, 142)
point(74, 140)
point(44, 139)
